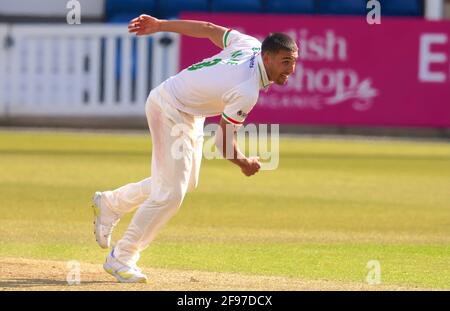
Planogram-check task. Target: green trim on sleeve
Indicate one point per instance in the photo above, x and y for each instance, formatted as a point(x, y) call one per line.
point(225, 37)
point(230, 120)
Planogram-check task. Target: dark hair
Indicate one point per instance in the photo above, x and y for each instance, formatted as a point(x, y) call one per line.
point(278, 41)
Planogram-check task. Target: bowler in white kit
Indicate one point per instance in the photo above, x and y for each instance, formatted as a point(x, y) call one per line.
point(226, 84)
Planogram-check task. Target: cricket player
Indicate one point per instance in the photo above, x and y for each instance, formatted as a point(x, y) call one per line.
point(226, 84)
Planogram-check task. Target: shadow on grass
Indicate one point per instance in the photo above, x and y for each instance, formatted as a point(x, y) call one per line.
point(24, 283)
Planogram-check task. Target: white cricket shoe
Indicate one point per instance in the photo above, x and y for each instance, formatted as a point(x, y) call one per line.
point(104, 222)
point(122, 272)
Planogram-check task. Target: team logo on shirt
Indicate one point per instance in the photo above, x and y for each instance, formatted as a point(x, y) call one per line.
point(242, 114)
point(252, 59)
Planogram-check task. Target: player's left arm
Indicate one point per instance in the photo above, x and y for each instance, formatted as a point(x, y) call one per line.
point(146, 24)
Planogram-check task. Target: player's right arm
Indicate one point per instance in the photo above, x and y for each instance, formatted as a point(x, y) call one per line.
point(146, 24)
point(226, 139)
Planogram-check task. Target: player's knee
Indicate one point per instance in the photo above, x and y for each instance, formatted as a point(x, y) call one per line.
point(168, 200)
point(175, 199)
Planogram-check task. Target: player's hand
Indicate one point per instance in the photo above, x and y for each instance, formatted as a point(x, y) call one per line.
point(251, 166)
point(144, 25)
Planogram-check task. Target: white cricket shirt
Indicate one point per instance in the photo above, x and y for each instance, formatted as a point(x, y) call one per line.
point(227, 83)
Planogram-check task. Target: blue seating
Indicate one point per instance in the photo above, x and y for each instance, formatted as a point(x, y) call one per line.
point(243, 6)
point(343, 7)
point(136, 7)
point(402, 7)
point(292, 6)
point(122, 18)
point(121, 11)
point(172, 8)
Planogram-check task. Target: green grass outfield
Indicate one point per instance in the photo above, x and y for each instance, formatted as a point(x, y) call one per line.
point(330, 207)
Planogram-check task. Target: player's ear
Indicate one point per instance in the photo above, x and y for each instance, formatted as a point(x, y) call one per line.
point(265, 57)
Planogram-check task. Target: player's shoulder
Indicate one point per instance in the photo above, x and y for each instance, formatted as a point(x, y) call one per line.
point(244, 36)
point(233, 37)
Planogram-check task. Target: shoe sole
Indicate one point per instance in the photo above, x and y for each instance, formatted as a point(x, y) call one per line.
point(96, 211)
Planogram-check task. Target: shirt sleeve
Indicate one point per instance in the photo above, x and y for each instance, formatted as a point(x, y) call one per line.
point(233, 38)
point(235, 113)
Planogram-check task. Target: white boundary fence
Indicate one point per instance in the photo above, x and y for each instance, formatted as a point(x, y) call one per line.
point(82, 70)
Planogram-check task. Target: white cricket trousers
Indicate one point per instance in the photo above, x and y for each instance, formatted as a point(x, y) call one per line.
point(177, 145)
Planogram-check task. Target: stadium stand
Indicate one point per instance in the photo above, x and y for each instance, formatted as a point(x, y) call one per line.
point(123, 11)
point(238, 6)
point(402, 7)
point(122, 18)
point(119, 11)
point(291, 7)
point(173, 8)
point(342, 7)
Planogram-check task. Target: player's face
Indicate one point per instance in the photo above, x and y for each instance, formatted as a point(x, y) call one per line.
point(280, 65)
